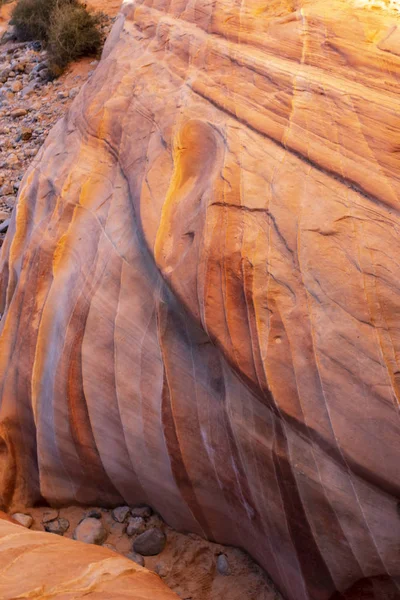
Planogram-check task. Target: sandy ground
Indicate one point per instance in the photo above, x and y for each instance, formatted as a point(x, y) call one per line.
point(187, 564)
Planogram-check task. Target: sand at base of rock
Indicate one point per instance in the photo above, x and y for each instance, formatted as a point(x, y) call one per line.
point(187, 564)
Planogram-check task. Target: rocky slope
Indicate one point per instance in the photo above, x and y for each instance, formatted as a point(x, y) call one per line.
point(30, 105)
point(199, 289)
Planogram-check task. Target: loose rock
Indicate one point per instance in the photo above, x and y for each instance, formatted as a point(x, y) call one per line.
point(90, 531)
point(58, 526)
point(50, 515)
point(135, 526)
point(223, 565)
point(22, 519)
point(150, 543)
point(26, 133)
point(141, 511)
point(18, 112)
point(120, 513)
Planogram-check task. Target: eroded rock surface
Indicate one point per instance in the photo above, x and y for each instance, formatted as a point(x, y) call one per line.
point(200, 289)
point(42, 565)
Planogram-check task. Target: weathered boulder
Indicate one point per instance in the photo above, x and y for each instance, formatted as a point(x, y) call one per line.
point(40, 565)
point(200, 289)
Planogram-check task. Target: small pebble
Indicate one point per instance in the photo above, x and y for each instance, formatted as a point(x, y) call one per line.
point(120, 513)
point(135, 526)
point(50, 515)
point(141, 511)
point(150, 543)
point(223, 565)
point(22, 519)
point(18, 112)
point(58, 526)
point(90, 531)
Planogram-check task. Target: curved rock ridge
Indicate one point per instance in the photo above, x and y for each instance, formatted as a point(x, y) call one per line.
point(46, 566)
point(200, 289)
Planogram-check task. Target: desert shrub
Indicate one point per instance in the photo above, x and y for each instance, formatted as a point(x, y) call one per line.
point(67, 29)
point(73, 32)
point(31, 18)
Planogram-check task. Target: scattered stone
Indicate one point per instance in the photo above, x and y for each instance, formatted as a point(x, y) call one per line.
point(50, 515)
point(90, 531)
point(30, 104)
point(73, 92)
point(137, 558)
point(26, 133)
point(135, 526)
point(18, 112)
point(120, 513)
point(16, 86)
point(150, 543)
point(22, 519)
point(141, 511)
point(223, 565)
point(12, 159)
point(6, 189)
point(58, 526)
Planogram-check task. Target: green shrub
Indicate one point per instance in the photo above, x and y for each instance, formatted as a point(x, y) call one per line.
point(73, 33)
point(67, 29)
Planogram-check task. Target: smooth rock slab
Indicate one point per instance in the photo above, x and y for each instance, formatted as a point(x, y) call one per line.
point(150, 543)
point(56, 568)
point(200, 288)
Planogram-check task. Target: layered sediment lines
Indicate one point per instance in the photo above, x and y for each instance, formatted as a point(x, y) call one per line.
point(200, 289)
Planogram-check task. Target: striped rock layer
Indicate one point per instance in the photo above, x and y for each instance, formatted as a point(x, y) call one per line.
point(201, 294)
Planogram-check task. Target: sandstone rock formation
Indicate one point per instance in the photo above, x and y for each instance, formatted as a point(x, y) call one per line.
point(200, 289)
point(46, 566)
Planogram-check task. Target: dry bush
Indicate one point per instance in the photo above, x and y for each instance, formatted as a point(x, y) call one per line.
point(31, 18)
point(66, 27)
point(73, 33)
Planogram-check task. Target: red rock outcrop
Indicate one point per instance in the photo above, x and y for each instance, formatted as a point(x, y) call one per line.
point(46, 566)
point(200, 289)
